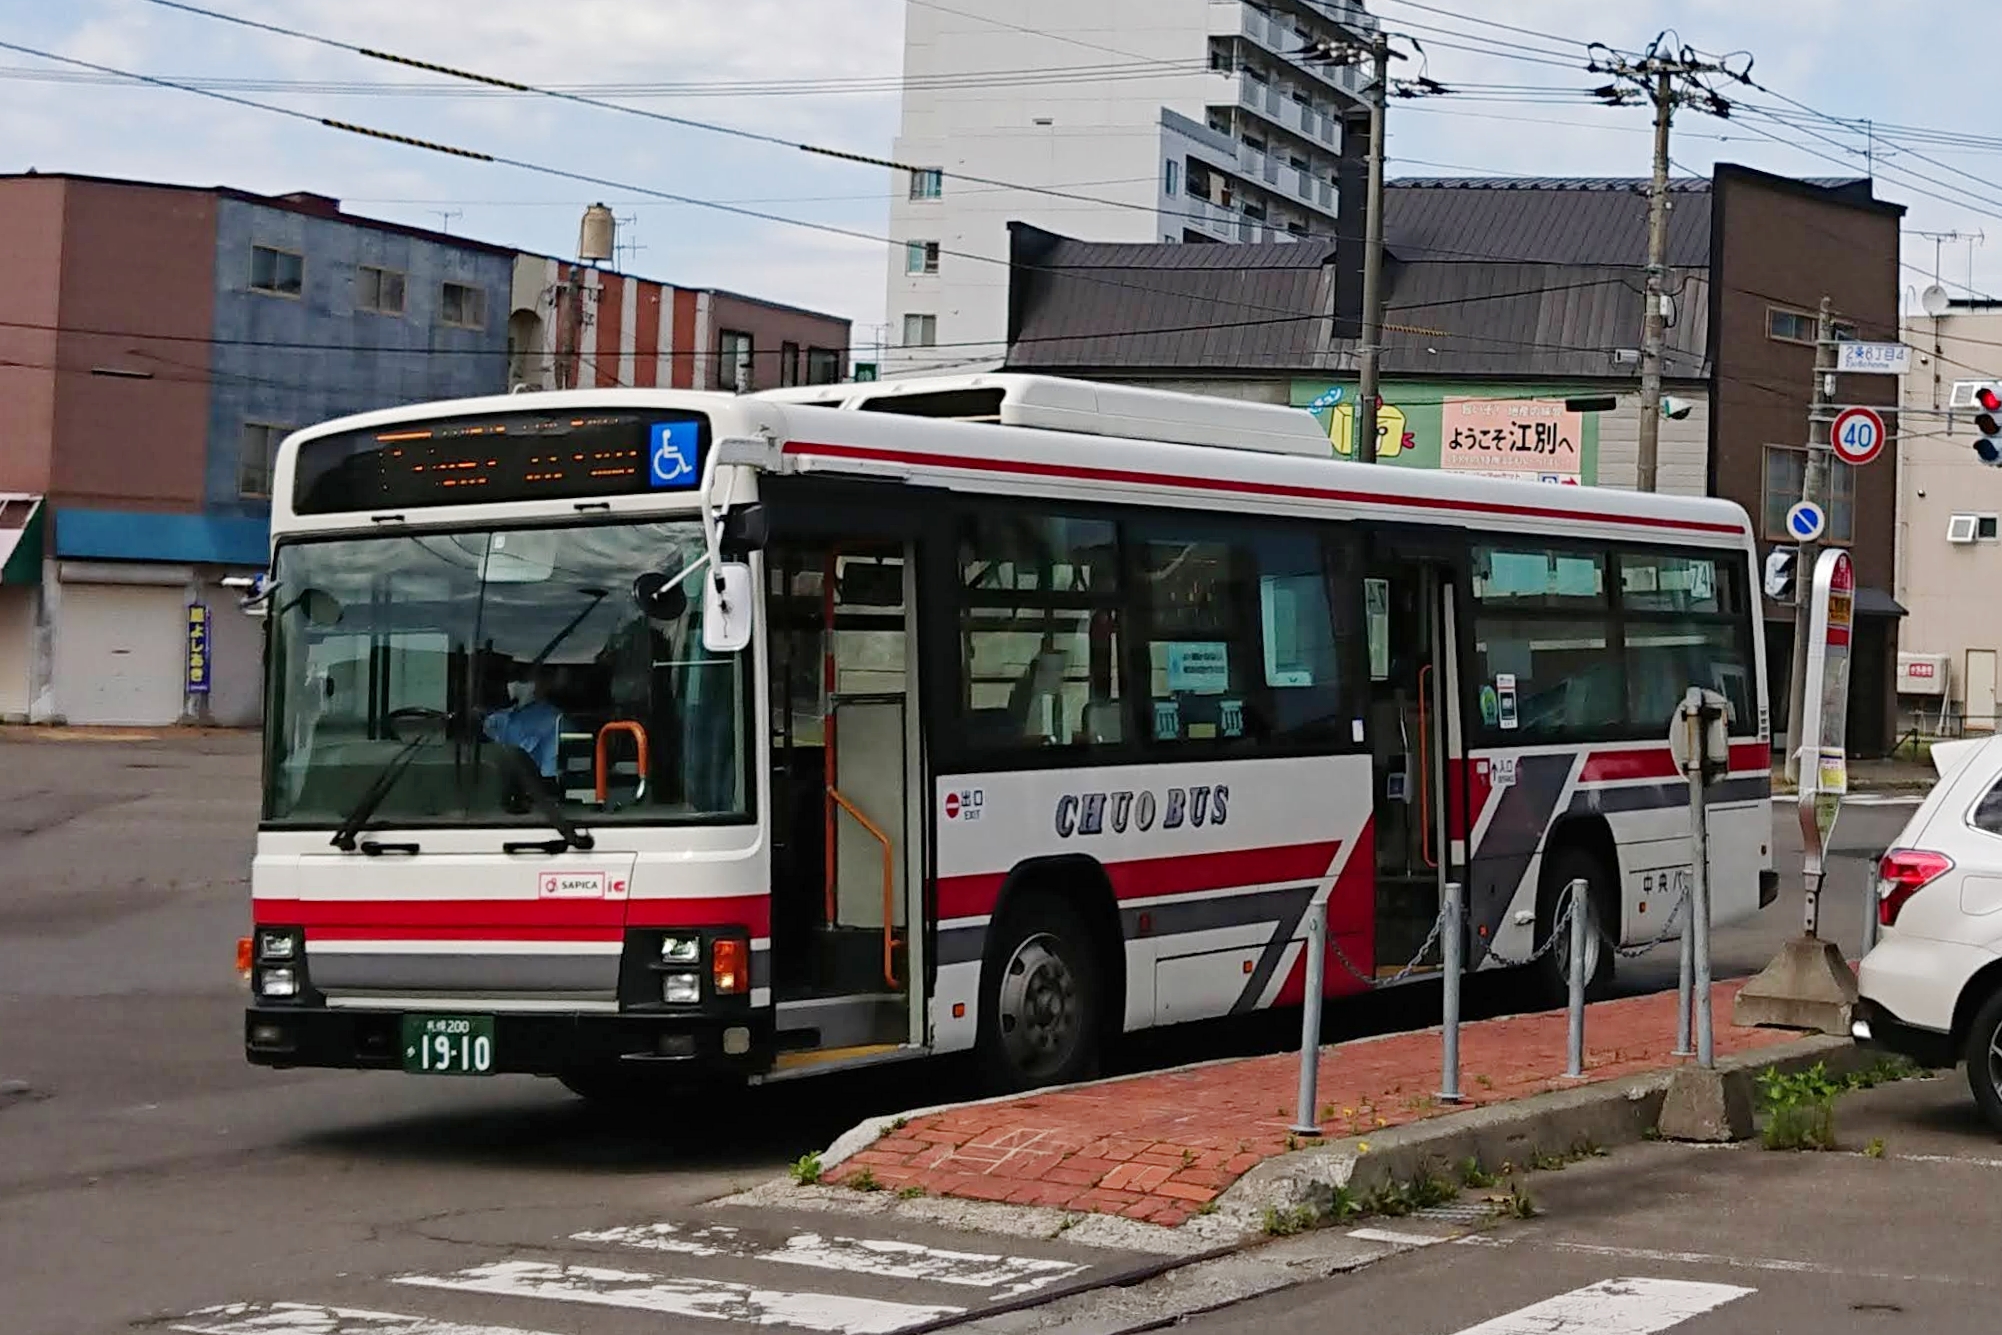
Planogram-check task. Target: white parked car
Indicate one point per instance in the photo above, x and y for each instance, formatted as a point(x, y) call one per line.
point(1932, 987)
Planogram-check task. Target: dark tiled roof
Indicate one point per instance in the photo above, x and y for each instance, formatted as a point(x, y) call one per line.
point(1260, 307)
point(1532, 222)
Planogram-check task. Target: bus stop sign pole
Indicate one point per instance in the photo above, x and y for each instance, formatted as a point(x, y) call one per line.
point(1809, 985)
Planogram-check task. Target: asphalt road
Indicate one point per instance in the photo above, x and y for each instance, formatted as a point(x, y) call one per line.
point(1682, 1240)
point(146, 1171)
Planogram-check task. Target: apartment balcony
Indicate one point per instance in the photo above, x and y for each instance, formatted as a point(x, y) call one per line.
point(1236, 18)
point(1265, 100)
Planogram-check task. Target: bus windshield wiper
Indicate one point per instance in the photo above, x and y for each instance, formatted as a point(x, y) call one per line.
point(546, 807)
point(372, 797)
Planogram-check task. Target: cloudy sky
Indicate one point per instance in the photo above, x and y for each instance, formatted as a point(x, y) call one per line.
point(826, 71)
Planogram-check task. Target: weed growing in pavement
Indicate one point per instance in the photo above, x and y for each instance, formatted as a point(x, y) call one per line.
point(910, 1193)
point(805, 1170)
point(1066, 1224)
point(898, 1125)
point(1485, 1082)
point(1875, 1149)
point(1543, 1161)
point(1799, 1108)
point(1207, 1207)
point(1284, 1223)
point(1475, 1176)
point(865, 1181)
point(1292, 1142)
point(1188, 1158)
point(1516, 1205)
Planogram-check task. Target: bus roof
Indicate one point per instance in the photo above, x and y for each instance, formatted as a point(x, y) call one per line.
point(976, 456)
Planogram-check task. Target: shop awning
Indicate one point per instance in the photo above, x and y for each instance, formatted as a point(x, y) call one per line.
point(20, 538)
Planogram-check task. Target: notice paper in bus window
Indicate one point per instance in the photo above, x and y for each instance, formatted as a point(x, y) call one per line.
point(1200, 667)
point(1288, 617)
point(1517, 575)
point(1577, 577)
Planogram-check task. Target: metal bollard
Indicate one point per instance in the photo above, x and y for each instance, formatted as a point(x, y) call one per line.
point(1685, 979)
point(1699, 917)
point(1304, 1121)
point(1452, 940)
point(1581, 925)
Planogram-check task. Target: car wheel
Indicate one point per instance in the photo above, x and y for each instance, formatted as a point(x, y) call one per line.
point(1041, 1011)
point(1550, 975)
point(1984, 1060)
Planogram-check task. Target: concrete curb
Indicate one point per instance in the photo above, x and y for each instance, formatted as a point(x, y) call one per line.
point(1608, 1114)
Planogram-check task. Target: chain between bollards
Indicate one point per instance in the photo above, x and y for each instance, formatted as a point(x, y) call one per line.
point(1452, 938)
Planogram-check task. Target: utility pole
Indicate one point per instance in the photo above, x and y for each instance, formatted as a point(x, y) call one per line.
point(1657, 273)
point(1668, 79)
point(1368, 354)
point(1813, 489)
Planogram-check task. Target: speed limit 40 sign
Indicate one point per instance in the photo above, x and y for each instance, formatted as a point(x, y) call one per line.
point(1857, 435)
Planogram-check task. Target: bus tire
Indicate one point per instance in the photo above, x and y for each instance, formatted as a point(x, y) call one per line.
point(1041, 997)
point(1550, 975)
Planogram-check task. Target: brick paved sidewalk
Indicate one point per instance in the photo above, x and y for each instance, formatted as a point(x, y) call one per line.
point(1156, 1147)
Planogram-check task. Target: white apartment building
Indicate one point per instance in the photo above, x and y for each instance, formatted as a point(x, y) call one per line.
point(1153, 120)
point(1949, 524)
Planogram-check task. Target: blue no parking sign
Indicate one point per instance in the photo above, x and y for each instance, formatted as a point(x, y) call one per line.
point(1806, 521)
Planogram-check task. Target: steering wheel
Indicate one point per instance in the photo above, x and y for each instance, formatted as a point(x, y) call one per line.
point(413, 712)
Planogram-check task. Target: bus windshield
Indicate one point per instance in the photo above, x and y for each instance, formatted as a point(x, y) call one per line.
point(496, 672)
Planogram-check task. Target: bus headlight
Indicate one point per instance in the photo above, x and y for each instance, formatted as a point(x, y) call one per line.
point(680, 949)
point(278, 982)
point(276, 944)
point(681, 989)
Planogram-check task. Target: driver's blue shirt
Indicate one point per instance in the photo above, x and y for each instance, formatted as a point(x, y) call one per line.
point(534, 728)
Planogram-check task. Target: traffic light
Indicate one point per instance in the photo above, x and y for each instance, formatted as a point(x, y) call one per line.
point(1781, 563)
point(1988, 421)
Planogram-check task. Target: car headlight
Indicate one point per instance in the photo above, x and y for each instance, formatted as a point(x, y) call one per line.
point(681, 989)
point(278, 982)
point(680, 949)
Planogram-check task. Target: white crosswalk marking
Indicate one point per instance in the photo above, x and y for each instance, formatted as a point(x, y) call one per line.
point(1614, 1307)
point(313, 1319)
point(1012, 1276)
point(672, 1295)
point(1393, 1237)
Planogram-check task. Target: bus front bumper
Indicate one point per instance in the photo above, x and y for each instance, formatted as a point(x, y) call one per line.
point(523, 1043)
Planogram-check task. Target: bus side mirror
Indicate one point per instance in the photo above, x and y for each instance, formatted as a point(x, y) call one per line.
point(727, 608)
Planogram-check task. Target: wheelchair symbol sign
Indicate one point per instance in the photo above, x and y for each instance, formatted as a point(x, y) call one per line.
point(671, 456)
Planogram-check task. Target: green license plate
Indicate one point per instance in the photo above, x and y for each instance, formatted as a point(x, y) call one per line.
point(448, 1044)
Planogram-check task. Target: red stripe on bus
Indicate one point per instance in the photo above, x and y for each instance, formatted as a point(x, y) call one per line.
point(513, 919)
point(924, 459)
point(1659, 763)
point(1144, 878)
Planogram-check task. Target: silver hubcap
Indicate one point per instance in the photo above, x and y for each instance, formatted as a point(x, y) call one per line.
point(1561, 952)
point(1039, 1007)
point(1995, 1060)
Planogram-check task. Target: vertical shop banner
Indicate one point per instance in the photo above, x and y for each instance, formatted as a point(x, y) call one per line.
point(198, 649)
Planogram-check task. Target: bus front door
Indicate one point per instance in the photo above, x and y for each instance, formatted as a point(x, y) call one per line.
point(1414, 735)
point(845, 752)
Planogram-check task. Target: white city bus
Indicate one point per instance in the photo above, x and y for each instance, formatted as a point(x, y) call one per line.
point(624, 732)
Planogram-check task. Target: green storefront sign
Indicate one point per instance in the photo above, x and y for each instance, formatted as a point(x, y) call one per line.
point(1516, 431)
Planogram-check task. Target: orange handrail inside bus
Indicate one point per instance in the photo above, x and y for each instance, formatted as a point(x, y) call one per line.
point(889, 884)
point(1424, 774)
point(600, 775)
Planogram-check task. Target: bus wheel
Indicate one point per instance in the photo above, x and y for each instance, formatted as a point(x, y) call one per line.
point(1551, 974)
point(1040, 1009)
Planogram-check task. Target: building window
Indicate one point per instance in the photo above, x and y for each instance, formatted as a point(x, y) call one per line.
point(920, 331)
point(920, 257)
point(379, 290)
point(927, 182)
point(733, 369)
point(1965, 528)
point(278, 272)
point(462, 306)
point(823, 366)
point(788, 363)
point(1789, 326)
point(1171, 180)
point(259, 459)
point(1785, 466)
